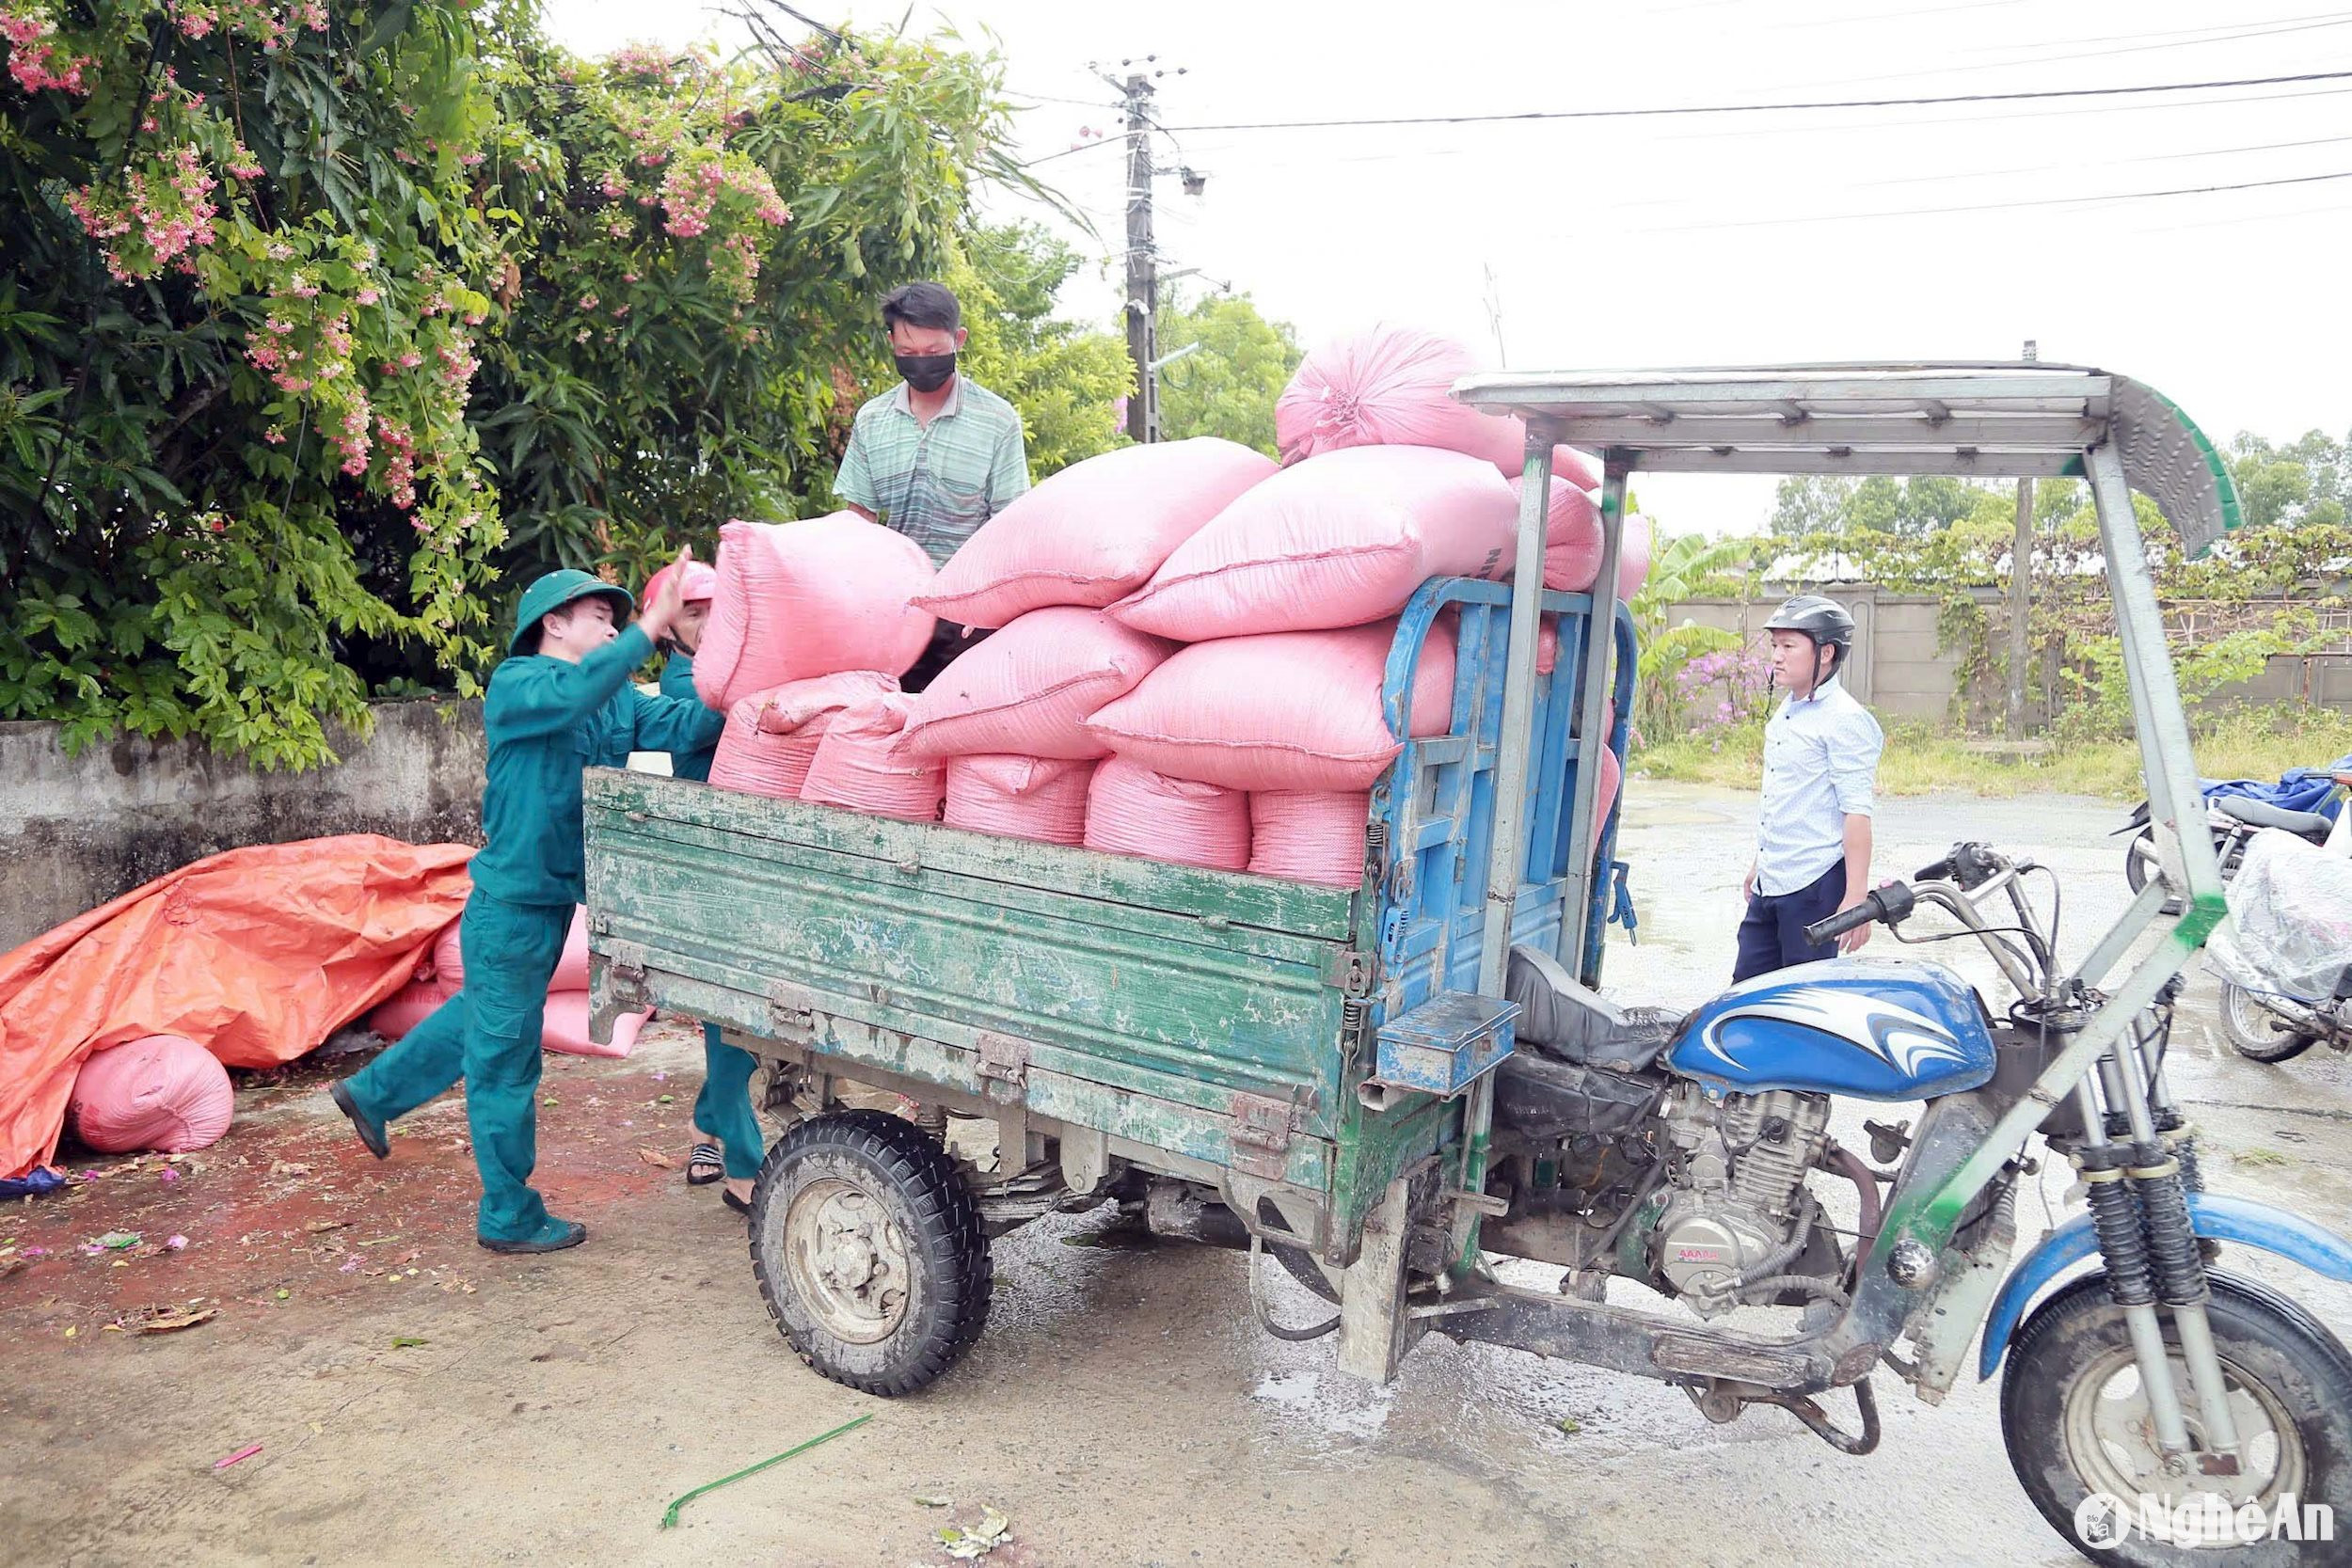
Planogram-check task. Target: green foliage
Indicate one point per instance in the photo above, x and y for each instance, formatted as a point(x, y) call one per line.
point(1066, 380)
point(321, 320)
point(1227, 387)
point(1684, 567)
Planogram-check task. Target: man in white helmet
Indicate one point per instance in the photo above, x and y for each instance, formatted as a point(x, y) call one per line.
point(1820, 771)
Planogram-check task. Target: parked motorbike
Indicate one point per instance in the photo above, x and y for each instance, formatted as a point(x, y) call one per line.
point(1679, 1155)
point(2286, 959)
point(2233, 819)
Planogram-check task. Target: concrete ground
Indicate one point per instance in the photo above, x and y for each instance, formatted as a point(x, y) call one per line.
point(404, 1396)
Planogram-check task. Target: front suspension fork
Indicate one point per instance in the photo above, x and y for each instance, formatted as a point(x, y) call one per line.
point(2138, 1190)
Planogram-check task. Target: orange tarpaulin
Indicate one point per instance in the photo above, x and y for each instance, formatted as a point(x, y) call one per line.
point(258, 955)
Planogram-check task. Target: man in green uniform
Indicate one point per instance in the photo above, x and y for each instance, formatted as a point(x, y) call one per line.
point(561, 702)
point(733, 1145)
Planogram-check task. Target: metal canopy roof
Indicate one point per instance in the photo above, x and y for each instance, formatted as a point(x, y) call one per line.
point(1971, 420)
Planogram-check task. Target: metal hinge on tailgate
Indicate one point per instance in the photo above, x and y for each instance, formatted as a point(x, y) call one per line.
point(1262, 1129)
point(1352, 972)
point(1004, 1060)
point(624, 970)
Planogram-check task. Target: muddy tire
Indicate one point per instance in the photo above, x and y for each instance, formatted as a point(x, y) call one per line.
point(868, 1251)
point(2075, 1423)
point(2257, 1032)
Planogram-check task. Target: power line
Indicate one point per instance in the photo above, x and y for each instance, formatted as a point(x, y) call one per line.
point(2012, 114)
point(2110, 163)
point(2003, 206)
point(1757, 108)
point(2027, 57)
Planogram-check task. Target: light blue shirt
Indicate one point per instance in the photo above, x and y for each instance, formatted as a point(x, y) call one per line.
point(1821, 765)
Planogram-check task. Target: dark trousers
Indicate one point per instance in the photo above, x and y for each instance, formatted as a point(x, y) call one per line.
point(947, 640)
point(1772, 935)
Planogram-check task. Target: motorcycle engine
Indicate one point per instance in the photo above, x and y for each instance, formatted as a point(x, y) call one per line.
point(1736, 1185)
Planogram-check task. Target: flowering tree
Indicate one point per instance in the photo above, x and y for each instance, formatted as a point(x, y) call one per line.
point(321, 320)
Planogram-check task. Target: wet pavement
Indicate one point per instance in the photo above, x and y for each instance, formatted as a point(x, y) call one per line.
point(416, 1400)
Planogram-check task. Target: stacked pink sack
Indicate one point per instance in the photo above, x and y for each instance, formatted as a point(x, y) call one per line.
point(442, 974)
point(1214, 624)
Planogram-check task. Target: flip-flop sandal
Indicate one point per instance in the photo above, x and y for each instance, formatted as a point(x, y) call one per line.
point(705, 1166)
point(736, 1203)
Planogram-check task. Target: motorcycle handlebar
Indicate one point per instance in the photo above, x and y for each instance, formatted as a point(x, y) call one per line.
point(1890, 903)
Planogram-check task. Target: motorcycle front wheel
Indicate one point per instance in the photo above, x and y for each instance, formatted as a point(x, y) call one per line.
point(2075, 1419)
point(2140, 864)
point(2258, 1033)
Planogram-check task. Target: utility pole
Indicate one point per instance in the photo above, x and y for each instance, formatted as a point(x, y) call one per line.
point(2021, 593)
point(1143, 287)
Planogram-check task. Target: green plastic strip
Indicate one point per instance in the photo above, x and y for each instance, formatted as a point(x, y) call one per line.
point(668, 1519)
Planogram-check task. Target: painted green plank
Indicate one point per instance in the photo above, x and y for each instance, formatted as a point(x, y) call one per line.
point(1260, 901)
point(1185, 1023)
point(1204, 1134)
point(930, 884)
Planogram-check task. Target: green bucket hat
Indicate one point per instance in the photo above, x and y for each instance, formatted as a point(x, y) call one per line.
point(552, 593)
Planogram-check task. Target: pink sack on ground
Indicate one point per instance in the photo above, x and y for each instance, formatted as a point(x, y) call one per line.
point(571, 968)
point(1029, 690)
point(449, 959)
point(1093, 531)
point(1309, 835)
point(1132, 809)
point(771, 736)
point(1393, 385)
point(409, 1007)
point(798, 600)
point(1338, 541)
point(1037, 798)
point(563, 1027)
point(162, 1092)
point(1289, 710)
point(858, 765)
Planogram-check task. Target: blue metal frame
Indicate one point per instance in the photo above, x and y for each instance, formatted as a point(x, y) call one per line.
point(1435, 800)
point(2214, 1214)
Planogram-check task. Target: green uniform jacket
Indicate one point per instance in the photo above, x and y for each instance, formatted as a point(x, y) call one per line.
point(547, 721)
point(677, 680)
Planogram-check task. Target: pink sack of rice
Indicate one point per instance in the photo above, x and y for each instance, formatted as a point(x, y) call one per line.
point(771, 736)
point(1029, 690)
point(1633, 556)
point(571, 967)
point(799, 600)
point(1092, 532)
point(409, 1007)
point(563, 1027)
point(1036, 797)
point(1309, 835)
point(1132, 809)
point(163, 1092)
point(1612, 780)
point(1339, 541)
point(858, 765)
point(1393, 385)
point(1288, 710)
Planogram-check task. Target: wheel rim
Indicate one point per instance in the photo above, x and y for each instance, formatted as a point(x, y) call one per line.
point(2249, 1018)
point(847, 1258)
point(2111, 1443)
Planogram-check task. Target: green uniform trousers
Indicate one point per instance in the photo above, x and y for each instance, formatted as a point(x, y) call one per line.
point(489, 1033)
point(724, 1109)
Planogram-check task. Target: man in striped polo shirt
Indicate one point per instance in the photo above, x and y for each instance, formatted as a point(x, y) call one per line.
point(938, 454)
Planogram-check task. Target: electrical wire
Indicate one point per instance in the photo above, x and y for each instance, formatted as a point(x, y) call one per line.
point(2001, 206)
point(2024, 57)
point(1762, 108)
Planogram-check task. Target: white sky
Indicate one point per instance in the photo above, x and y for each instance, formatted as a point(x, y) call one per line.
point(1721, 239)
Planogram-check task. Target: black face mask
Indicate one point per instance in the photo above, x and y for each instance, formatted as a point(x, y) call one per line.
point(926, 373)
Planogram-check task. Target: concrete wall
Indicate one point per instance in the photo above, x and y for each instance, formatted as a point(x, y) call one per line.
point(1899, 671)
point(78, 830)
